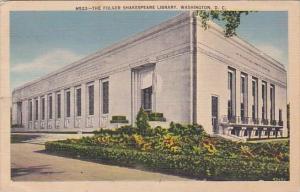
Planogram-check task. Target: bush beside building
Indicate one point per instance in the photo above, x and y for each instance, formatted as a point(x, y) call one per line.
point(183, 150)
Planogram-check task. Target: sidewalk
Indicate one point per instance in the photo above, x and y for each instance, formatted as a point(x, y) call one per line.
point(41, 138)
point(29, 162)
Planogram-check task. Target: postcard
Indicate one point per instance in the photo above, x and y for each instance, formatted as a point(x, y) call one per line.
point(149, 95)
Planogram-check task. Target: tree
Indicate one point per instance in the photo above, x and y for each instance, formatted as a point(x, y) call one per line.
point(142, 121)
point(230, 18)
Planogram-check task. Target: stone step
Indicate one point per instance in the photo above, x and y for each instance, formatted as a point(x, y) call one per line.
point(231, 137)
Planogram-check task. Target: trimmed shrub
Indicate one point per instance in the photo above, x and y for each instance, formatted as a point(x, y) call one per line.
point(179, 129)
point(182, 149)
point(142, 122)
point(104, 131)
point(201, 167)
point(159, 131)
point(126, 129)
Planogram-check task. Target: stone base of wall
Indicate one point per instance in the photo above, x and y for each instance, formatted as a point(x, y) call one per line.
point(154, 124)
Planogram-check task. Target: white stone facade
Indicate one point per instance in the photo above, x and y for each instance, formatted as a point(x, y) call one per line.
point(176, 68)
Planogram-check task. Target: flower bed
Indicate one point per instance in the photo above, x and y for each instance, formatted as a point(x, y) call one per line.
point(181, 149)
point(201, 167)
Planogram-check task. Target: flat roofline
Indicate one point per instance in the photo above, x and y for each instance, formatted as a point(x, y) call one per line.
point(244, 43)
point(152, 30)
point(115, 46)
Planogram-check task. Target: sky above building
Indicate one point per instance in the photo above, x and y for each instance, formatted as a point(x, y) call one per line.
point(41, 42)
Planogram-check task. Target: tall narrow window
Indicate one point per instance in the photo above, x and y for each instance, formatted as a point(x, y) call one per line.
point(272, 102)
point(105, 97)
point(36, 109)
point(147, 99)
point(43, 108)
point(50, 106)
point(78, 102)
point(91, 99)
point(30, 110)
point(264, 100)
point(280, 115)
point(58, 109)
point(231, 94)
point(244, 91)
point(254, 98)
point(68, 104)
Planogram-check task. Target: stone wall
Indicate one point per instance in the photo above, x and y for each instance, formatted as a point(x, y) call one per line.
point(215, 54)
point(166, 45)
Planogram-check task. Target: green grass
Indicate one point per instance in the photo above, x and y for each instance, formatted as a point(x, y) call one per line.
point(19, 138)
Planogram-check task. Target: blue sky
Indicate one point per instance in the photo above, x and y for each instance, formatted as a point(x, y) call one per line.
point(42, 42)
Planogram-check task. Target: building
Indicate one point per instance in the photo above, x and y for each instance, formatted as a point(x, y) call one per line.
point(177, 68)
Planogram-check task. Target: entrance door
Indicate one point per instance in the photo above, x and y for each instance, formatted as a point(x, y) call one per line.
point(214, 113)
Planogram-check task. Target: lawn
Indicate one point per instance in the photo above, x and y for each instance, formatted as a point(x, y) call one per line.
point(19, 138)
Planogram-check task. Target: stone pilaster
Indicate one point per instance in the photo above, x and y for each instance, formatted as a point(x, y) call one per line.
point(51, 120)
point(72, 107)
point(33, 113)
point(83, 106)
point(97, 104)
point(250, 97)
point(28, 114)
point(246, 102)
point(133, 95)
point(25, 113)
point(238, 94)
point(154, 85)
point(62, 108)
point(268, 115)
point(46, 112)
point(39, 112)
point(54, 103)
point(260, 104)
point(138, 92)
point(14, 113)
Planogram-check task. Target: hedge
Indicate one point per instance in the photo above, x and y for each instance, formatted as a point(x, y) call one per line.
point(200, 167)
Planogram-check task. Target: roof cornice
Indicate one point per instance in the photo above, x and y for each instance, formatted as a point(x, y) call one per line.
point(247, 46)
point(116, 46)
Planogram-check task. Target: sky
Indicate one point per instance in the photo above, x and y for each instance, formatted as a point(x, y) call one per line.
point(41, 42)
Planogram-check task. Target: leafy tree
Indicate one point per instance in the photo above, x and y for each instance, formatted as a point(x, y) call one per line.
point(142, 121)
point(230, 18)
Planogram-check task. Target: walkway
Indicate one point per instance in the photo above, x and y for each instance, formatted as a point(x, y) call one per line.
point(31, 163)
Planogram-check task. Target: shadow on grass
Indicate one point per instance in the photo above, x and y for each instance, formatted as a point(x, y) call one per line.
point(15, 138)
point(41, 169)
point(109, 163)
